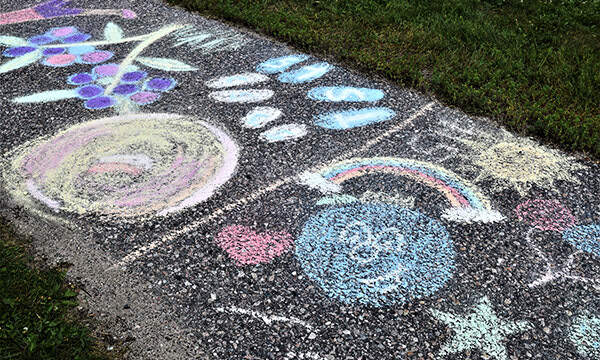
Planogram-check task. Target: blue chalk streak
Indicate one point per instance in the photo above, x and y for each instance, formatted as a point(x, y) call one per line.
point(584, 237)
point(257, 120)
point(81, 49)
point(284, 132)
point(348, 119)
point(345, 93)
point(280, 64)
point(305, 74)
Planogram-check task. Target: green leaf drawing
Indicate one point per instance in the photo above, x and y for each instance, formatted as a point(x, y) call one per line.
point(21, 61)
point(165, 64)
point(12, 41)
point(112, 32)
point(46, 96)
point(105, 80)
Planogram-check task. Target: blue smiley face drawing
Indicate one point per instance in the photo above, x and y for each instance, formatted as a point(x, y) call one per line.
point(375, 254)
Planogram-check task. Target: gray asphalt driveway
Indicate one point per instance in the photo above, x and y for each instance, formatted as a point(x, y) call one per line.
point(223, 196)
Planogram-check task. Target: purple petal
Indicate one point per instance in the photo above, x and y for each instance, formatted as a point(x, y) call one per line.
point(18, 51)
point(55, 8)
point(100, 102)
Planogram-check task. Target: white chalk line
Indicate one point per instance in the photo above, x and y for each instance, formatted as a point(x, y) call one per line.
point(268, 319)
point(134, 255)
point(308, 355)
point(168, 237)
point(564, 270)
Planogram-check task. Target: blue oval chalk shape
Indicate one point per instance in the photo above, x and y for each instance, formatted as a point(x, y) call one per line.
point(584, 237)
point(306, 73)
point(375, 254)
point(284, 132)
point(348, 119)
point(345, 93)
point(261, 116)
point(280, 64)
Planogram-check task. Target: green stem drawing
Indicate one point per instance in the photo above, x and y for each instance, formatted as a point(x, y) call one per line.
point(137, 51)
point(126, 107)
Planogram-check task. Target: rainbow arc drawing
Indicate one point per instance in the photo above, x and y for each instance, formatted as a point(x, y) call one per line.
point(467, 203)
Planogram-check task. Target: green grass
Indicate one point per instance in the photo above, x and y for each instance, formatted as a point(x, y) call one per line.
point(36, 321)
point(533, 65)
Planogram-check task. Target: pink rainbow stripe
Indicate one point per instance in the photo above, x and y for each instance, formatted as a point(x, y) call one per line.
point(110, 167)
point(455, 198)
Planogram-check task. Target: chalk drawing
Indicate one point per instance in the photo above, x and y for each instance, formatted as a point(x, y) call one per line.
point(120, 85)
point(284, 132)
point(60, 60)
point(348, 119)
point(237, 80)
point(466, 201)
point(242, 96)
point(519, 163)
point(123, 166)
point(158, 84)
point(268, 319)
point(43, 48)
point(47, 96)
point(337, 199)
point(305, 74)
point(375, 254)
point(480, 329)
point(345, 93)
point(138, 161)
point(304, 356)
point(261, 116)
point(584, 237)
point(81, 79)
point(124, 86)
point(248, 247)
point(557, 272)
point(130, 90)
point(280, 64)
point(338, 120)
point(545, 215)
point(89, 91)
point(58, 8)
point(374, 197)
point(269, 188)
point(584, 333)
point(551, 215)
point(217, 40)
point(438, 150)
point(165, 64)
point(368, 197)
point(317, 181)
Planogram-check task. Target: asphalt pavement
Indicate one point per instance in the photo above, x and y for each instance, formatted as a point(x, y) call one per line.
point(223, 196)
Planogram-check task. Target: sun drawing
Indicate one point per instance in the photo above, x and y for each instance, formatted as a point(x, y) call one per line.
point(519, 162)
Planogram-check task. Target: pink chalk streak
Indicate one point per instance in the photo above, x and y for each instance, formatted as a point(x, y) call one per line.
point(545, 215)
point(128, 14)
point(111, 167)
point(247, 247)
point(19, 16)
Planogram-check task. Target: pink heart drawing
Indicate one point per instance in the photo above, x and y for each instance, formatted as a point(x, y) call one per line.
point(247, 247)
point(545, 215)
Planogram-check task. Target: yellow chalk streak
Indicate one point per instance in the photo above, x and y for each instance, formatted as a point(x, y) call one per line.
point(520, 162)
